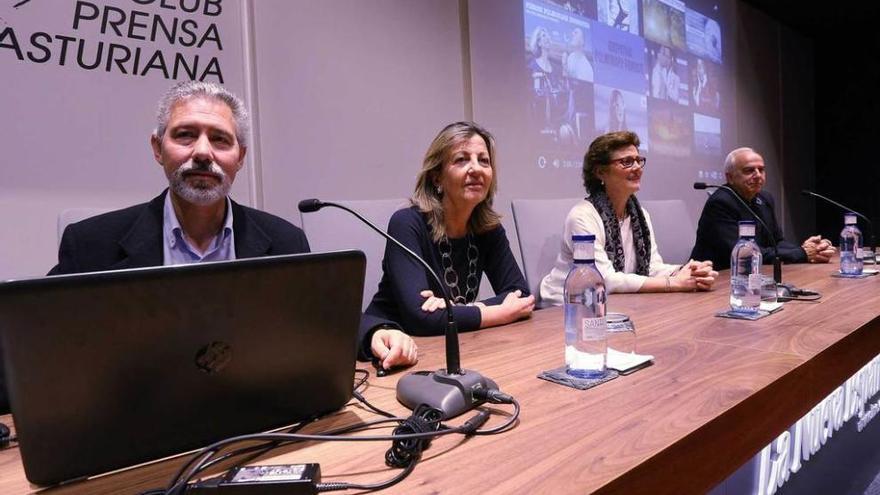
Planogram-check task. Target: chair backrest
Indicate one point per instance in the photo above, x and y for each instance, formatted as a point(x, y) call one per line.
point(331, 229)
point(674, 228)
point(73, 215)
point(539, 226)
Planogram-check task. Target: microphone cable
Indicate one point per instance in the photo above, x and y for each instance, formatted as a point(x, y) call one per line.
point(363, 379)
point(358, 395)
point(409, 439)
point(406, 452)
point(264, 448)
point(261, 449)
point(801, 295)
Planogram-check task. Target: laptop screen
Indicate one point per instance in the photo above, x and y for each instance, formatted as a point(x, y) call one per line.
point(106, 370)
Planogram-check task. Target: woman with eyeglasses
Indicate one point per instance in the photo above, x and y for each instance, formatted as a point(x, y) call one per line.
point(625, 248)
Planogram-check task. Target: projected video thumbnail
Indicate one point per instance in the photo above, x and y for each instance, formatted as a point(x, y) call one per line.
point(619, 14)
point(620, 59)
point(707, 134)
point(671, 128)
point(589, 72)
point(560, 65)
point(664, 22)
point(668, 77)
point(621, 110)
point(704, 86)
point(703, 36)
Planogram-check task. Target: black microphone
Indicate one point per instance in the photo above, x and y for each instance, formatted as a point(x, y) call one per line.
point(785, 289)
point(806, 192)
point(449, 390)
point(310, 205)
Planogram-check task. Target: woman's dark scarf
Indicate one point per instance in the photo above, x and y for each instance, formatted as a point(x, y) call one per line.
point(613, 244)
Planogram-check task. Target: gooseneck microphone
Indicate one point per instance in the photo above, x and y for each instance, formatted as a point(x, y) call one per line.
point(450, 390)
point(453, 366)
point(806, 192)
point(777, 263)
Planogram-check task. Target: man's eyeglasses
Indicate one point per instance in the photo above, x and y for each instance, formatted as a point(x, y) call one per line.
point(629, 161)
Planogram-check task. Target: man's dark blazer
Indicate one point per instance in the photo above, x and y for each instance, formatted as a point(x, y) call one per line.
point(132, 238)
point(718, 230)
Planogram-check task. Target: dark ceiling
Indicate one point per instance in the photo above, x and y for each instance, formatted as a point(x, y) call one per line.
point(820, 19)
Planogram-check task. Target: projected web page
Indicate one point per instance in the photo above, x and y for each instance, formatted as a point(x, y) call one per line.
point(650, 66)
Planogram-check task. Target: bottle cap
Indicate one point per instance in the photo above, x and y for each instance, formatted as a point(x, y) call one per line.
point(582, 247)
point(583, 237)
point(747, 228)
point(849, 218)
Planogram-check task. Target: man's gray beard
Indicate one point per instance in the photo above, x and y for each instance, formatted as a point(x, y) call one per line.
point(199, 195)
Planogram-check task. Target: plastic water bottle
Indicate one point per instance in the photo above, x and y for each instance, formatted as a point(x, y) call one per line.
point(851, 262)
point(745, 271)
point(586, 337)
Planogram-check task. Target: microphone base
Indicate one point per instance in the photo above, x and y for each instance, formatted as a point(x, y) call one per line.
point(788, 292)
point(785, 290)
point(450, 394)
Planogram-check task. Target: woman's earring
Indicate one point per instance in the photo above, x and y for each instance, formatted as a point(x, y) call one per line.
point(439, 190)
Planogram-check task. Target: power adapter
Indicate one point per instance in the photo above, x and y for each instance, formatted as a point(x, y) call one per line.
point(279, 479)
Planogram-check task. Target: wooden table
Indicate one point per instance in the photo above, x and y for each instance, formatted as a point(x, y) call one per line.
point(718, 392)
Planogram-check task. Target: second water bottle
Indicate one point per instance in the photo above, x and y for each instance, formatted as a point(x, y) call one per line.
point(745, 271)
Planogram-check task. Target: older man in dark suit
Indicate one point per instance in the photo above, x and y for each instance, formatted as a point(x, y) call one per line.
point(717, 231)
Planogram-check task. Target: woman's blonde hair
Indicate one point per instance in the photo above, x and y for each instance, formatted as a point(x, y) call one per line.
point(430, 201)
point(533, 40)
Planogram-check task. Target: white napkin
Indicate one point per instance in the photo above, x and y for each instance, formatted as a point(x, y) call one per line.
point(771, 307)
point(622, 361)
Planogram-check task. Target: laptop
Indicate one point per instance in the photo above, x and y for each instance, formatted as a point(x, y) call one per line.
point(111, 369)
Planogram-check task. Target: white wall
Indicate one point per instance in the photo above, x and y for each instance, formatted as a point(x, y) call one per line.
point(351, 94)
